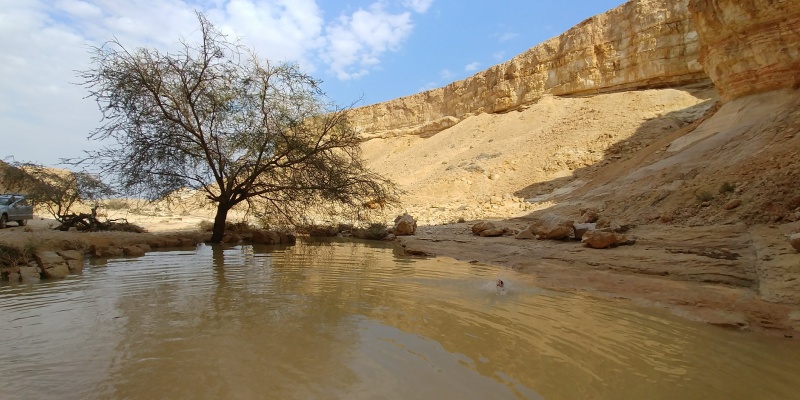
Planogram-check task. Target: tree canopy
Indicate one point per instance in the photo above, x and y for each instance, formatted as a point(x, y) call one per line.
point(56, 190)
point(215, 117)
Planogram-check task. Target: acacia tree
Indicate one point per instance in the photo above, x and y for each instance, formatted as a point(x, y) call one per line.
point(215, 117)
point(58, 191)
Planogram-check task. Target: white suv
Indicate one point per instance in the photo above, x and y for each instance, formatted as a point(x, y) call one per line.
point(14, 207)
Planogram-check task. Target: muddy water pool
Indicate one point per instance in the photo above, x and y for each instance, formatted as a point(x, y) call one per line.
point(336, 319)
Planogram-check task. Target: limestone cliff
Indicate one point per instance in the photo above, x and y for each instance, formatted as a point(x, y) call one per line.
point(640, 44)
point(749, 46)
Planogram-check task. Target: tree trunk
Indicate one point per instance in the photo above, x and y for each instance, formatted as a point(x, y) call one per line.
point(219, 223)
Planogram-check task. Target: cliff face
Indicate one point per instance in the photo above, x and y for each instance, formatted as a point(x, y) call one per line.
point(749, 46)
point(640, 44)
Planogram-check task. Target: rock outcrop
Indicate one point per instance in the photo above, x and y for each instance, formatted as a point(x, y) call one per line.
point(748, 46)
point(404, 225)
point(640, 44)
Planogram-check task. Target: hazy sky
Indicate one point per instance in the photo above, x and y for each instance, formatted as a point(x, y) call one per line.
point(371, 49)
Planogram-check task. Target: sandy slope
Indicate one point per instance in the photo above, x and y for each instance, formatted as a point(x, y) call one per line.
point(487, 164)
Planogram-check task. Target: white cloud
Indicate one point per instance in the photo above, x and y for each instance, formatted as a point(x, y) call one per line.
point(499, 56)
point(80, 9)
point(506, 36)
point(419, 6)
point(356, 42)
point(43, 43)
point(473, 66)
point(447, 74)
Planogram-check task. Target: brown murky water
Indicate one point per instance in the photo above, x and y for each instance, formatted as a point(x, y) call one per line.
point(345, 320)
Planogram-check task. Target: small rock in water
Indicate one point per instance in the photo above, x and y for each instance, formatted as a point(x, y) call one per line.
point(501, 286)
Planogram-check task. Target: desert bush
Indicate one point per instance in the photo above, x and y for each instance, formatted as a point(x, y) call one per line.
point(727, 187)
point(704, 196)
point(375, 231)
point(318, 230)
point(205, 225)
point(116, 204)
point(125, 227)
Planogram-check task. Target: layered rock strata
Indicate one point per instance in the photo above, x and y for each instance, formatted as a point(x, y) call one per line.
point(640, 44)
point(749, 46)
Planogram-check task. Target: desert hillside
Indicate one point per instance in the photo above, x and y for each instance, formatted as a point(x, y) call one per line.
point(651, 111)
point(676, 121)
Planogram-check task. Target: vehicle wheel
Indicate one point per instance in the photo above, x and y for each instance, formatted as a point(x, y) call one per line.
point(22, 222)
point(3, 220)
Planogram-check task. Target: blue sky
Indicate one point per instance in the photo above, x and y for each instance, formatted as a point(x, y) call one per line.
point(374, 50)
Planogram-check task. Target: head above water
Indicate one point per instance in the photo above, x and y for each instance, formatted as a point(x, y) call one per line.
point(500, 284)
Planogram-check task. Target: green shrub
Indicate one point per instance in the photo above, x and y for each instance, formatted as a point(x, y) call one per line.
point(727, 187)
point(704, 196)
point(375, 231)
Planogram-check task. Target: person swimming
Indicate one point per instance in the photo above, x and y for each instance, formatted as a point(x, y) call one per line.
point(500, 284)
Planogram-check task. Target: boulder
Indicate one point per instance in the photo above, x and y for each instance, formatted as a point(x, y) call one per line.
point(581, 229)
point(29, 274)
point(603, 239)
point(732, 204)
point(145, 247)
point(132, 251)
point(105, 251)
point(187, 242)
point(268, 237)
point(482, 226)
point(74, 260)
point(552, 226)
point(795, 241)
point(525, 234)
point(589, 216)
point(170, 242)
point(51, 264)
point(261, 237)
point(493, 232)
point(13, 277)
point(404, 225)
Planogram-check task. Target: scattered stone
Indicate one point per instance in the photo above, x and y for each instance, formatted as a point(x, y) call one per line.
point(581, 229)
point(13, 277)
point(74, 260)
point(187, 242)
point(795, 241)
point(603, 239)
point(415, 252)
point(145, 247)
point(493, 232)
point(526, 234)
point(265, 237)
point(29, 274)
point(51, 264)
point(732, 204)
point(132, 251)
point(104, 251)
point(589, 216)
point(552, 226)
point(404, 225)
point(488, 229)
point(170, 242)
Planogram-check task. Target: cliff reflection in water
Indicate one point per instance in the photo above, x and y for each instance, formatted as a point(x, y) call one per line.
point(334, 319)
